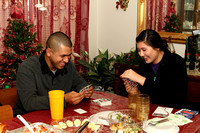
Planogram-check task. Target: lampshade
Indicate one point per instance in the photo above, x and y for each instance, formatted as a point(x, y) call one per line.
point(42, 8)
point(38, 4)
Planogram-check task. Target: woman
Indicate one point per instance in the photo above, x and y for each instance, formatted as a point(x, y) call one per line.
point(161, 74)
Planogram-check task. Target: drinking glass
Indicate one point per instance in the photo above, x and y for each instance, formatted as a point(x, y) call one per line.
point(143, 107)
point(56, 99)
point(132, 102)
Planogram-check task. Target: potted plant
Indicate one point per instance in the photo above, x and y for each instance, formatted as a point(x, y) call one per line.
point(130, 58)
point(99, 71)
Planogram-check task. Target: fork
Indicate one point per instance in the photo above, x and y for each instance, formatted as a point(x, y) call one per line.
point(154, 123)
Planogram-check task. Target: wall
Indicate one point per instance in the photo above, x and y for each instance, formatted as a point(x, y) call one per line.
point(110, 28)
point(114, 29)
point(180, 49)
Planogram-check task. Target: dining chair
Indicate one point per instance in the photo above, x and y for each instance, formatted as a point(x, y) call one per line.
point(6, 112)
point(8, 96)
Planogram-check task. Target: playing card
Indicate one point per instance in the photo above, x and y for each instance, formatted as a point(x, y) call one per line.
point(85, 88)
point(132, 83)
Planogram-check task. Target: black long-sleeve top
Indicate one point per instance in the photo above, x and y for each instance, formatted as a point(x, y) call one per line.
point(169, 86)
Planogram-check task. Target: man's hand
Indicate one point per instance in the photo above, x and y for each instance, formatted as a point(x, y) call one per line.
point(74, 97)
point(88, 93)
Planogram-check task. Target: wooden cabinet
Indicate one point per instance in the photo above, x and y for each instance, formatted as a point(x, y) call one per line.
point(193, 88)
point(193, 95)
point(190, 15)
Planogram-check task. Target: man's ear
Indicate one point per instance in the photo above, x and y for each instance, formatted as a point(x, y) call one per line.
point(48, 52)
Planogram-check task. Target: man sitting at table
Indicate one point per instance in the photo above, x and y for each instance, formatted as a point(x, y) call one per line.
point(52, 70)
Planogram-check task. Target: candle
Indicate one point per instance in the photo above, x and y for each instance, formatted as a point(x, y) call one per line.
point(187, 54)
point(196, 46)
point(187, 45)
point(197, 50)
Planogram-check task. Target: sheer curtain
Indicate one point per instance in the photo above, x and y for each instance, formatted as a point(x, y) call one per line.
point(68, 16)
point(156, 11)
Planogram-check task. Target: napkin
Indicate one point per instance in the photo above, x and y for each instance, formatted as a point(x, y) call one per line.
point(175, 119)
point(178, 119)
point(162, 111)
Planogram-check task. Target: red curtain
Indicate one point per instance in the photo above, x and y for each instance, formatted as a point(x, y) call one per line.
point(156, 11)
point(68, 16)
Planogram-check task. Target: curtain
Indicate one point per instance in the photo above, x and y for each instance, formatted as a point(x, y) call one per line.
point(68, 16)
point(156, 11)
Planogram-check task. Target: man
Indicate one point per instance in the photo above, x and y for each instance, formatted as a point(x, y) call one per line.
point(52, 70)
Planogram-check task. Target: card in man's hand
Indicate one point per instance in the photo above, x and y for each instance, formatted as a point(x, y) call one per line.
point(85, 88)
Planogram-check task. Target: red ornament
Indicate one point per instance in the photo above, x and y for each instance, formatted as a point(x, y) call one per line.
point(16, 11)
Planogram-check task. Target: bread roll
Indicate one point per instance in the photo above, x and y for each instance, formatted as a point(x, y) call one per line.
point(2, 128)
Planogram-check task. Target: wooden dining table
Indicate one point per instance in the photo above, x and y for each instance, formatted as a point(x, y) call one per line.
point(118, 102)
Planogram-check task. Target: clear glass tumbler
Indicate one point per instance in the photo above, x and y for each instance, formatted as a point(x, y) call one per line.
point(143, 107)
point(132, 102)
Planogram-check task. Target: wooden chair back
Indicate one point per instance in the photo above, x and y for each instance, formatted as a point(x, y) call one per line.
point(8, 96)
point(6, 112)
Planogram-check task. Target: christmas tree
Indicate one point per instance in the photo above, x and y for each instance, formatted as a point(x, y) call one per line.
point(20, 43)
point(172, 21)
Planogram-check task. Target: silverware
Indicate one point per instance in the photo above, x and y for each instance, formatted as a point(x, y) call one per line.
point(154, 123)
point(25, 123)
point(82, 127)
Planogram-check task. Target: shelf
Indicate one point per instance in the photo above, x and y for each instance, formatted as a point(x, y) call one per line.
point(189, 10)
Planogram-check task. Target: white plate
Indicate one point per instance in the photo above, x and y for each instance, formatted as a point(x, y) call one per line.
point(98, 118)
point(49, 127)
point(166, 127)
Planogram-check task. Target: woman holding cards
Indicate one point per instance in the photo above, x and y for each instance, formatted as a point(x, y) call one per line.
point(161, 74)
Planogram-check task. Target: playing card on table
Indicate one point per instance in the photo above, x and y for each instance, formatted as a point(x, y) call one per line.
point(131, 82)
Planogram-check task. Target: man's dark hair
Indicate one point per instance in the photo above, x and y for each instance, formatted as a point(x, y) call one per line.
point(57, 39)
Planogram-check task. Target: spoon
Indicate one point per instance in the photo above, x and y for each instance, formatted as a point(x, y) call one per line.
point(25, 123)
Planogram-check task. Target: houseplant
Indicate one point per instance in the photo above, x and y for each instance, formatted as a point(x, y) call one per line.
point(99, 71)
point(130, 58)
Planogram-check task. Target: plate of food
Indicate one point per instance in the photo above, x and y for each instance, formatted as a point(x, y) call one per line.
point(100, 118)
point(38, 127)
point(73, 123)
point(124, 121)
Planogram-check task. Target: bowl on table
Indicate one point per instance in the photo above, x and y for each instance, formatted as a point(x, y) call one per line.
point(72, 123)
point(124, 120)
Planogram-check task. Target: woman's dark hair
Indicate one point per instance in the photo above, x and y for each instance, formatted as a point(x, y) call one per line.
point(152, 38)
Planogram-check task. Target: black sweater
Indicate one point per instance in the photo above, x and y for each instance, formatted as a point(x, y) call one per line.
point(170, 86)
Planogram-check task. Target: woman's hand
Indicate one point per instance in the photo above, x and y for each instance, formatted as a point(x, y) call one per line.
point(132, 75)
point(130, 89)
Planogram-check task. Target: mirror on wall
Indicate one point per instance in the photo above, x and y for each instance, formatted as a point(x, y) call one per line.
point(141, 22)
